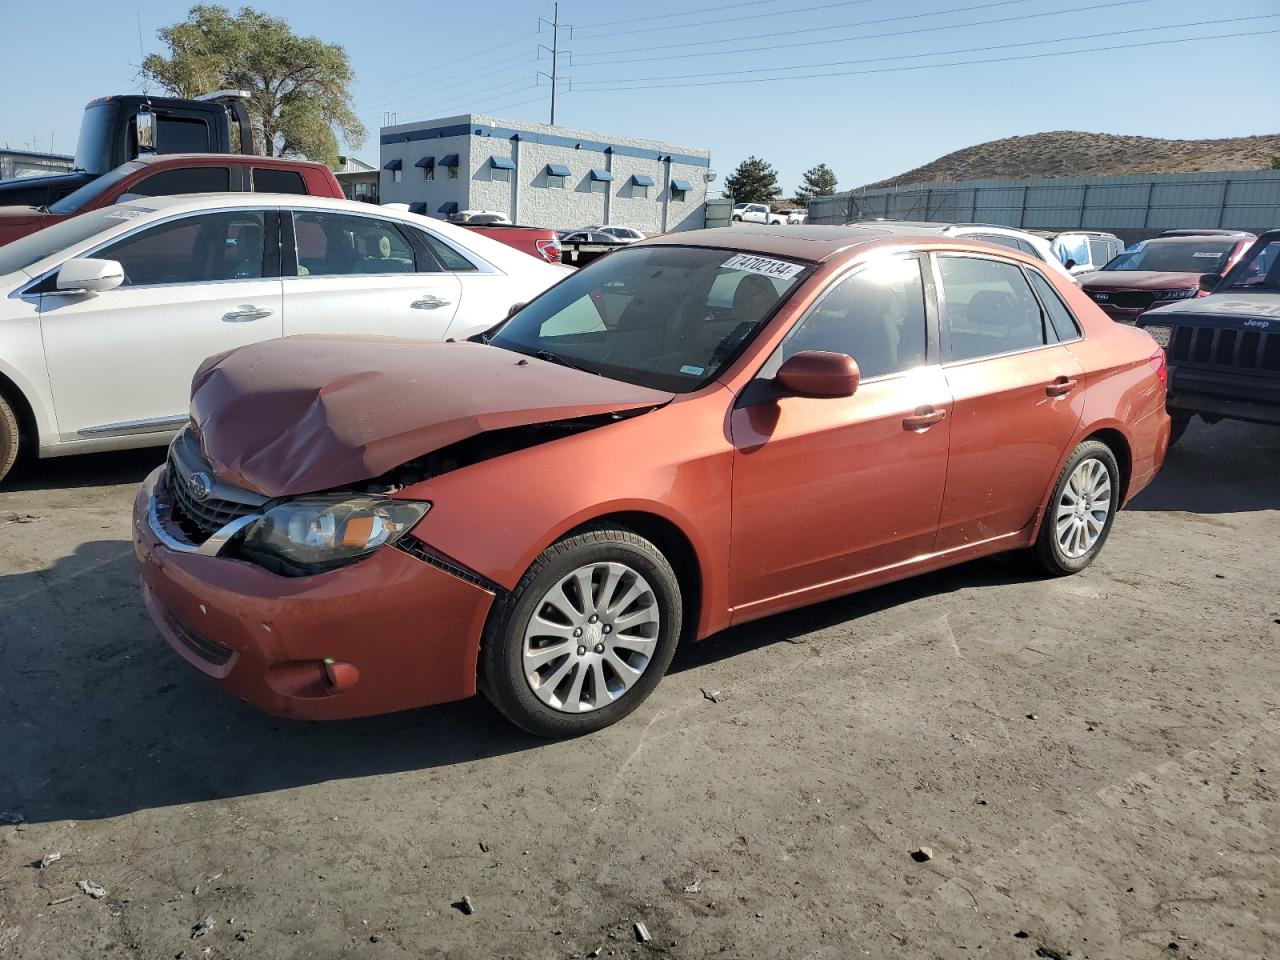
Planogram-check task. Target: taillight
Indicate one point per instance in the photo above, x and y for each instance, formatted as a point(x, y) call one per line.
point(1161, 365)
point(549, 249)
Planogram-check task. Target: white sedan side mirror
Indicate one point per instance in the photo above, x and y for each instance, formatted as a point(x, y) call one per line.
point(86, 275)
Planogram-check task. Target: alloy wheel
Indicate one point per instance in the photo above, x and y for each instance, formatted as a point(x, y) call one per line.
point(1083, 508)
point(591, 637)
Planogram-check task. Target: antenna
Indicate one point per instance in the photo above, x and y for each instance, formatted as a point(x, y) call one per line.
point(142, 52)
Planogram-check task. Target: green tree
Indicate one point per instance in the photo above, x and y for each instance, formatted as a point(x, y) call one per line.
point(755, 181)
point(1275, 164)
point(299, 95)
point(819, 181)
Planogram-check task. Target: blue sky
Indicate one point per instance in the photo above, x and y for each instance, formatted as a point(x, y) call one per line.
point(869, 120)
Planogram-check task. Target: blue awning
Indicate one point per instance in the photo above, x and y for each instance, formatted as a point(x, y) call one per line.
point(448, 208)
point(558, 170)
point(426, 162)
point(603, 176)
point(684, 186)
point(418, 207)
point(392, 165)
point(640, 180)
point(450, 161)
point(502, 163)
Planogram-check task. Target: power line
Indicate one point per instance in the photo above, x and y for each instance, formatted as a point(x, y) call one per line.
point(867, 36)
point(469, 97)
point(940, 53)
point(441, 66)
point(681, 13)
point(823, 29)
point(930, 66)
point(437, 88)
point(719, 20)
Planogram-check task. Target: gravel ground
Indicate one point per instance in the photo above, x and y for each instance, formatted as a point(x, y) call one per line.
point(1093, 762)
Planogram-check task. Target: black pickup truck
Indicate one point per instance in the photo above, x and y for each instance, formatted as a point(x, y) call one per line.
point(115, 130)
point(1224, 349)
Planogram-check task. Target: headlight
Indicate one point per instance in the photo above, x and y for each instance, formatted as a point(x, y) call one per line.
point(1159, 334)
point(311, 534)
point(1175, 294)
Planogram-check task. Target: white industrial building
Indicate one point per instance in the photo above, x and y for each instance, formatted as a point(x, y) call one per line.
point(542, 175)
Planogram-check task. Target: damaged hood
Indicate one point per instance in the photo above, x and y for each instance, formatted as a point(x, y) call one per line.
point(305, 414)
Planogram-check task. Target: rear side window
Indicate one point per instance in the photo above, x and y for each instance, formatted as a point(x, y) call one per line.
point(451, 258)
point(1060, 318)
point(989, 308)
point(184, 180)
point(268, 180)
point(876, 316)
point(335, 244)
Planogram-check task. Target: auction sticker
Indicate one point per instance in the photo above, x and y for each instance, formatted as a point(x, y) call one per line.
point(124, 214)
point(765, 266)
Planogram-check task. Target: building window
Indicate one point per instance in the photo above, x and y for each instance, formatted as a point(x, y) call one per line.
point(640, 186)
point(500, 175)
point(557, 175)
point(393, 167)
point(599, 186)
point(677, 196)
point(680, 190)
point(428, 173)
point(600, 180)
point(500, 169)
point(554, 182)
point(450, 163)
point(396, 175)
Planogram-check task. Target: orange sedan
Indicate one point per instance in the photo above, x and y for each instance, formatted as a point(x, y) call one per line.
point(695, 431)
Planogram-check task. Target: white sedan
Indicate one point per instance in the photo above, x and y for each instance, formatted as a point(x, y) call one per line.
point(105, 317)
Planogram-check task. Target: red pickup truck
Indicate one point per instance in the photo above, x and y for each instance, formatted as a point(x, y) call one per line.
point(174, 173)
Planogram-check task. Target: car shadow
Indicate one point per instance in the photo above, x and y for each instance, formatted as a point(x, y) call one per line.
point(1226, 467)
point(84, 470)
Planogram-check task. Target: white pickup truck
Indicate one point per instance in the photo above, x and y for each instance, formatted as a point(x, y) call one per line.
point(756, 213)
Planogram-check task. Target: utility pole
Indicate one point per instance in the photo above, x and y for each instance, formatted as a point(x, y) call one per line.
point(554, 50)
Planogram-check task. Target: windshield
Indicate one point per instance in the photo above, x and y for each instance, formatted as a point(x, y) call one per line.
point(1260, 270)
point(34, 247)
point(1176, 256)
point(93, 149)
point(77, 199)
point(664, 317)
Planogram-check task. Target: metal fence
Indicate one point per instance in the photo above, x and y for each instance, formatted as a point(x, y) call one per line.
point(1132, 206)
point(718, 211)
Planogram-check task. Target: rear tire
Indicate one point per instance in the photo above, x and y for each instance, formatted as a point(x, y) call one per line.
point(1078, 518)
point(585, 636)
point(735, 219)
point(1180, 422)
point(10, 437)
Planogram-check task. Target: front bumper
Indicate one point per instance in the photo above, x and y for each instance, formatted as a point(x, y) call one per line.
point(1231, 396)
point(390, 632)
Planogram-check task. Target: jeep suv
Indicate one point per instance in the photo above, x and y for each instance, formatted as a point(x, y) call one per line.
point(1224, 348)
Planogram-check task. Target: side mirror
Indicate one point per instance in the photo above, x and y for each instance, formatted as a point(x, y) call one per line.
point(1208, 281)
point(86, 275)
point(816, 373)
point(516, 308)
point(144, 123)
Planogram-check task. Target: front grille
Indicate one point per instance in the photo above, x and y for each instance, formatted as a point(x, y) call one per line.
point(206, 516)
point(1129, 299)
point(1225, 347)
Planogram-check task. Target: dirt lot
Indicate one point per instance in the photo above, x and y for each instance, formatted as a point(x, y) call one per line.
point(1093, 761)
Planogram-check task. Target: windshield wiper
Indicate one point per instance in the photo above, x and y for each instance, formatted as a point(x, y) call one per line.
point(556, 358)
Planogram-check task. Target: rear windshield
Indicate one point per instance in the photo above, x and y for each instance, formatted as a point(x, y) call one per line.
point(1259, 270)
point(1176, 256)
point(669, 318)
point(77, 199)
point(34, 247)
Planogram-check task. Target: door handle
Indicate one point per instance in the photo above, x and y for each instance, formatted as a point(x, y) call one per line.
point(923, 418)
point(429, 302)
point(245, 313)
point(1060, 387)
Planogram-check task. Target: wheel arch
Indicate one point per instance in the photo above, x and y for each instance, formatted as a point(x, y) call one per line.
point(676, 546)
point(28, 426)
point(1120, 447)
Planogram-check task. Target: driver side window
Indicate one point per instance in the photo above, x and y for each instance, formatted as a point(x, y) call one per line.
point(200, 249)
point(876, 316)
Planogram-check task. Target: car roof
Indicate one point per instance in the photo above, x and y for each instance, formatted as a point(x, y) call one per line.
point(813, 243)
point(215, 158)
point(1193, 239)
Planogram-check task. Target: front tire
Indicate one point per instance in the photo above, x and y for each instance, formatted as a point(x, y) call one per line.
point(585, 636)
point(10, 437)
point(1178, 426)
point(1080, 512)
point(735, 219)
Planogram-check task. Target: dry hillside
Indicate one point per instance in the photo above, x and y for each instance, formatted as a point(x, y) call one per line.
point(1070, 153)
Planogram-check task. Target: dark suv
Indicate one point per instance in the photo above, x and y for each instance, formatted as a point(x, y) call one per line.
point(1224, 348)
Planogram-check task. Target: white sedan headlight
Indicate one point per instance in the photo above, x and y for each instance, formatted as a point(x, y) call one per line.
point(310, 534)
